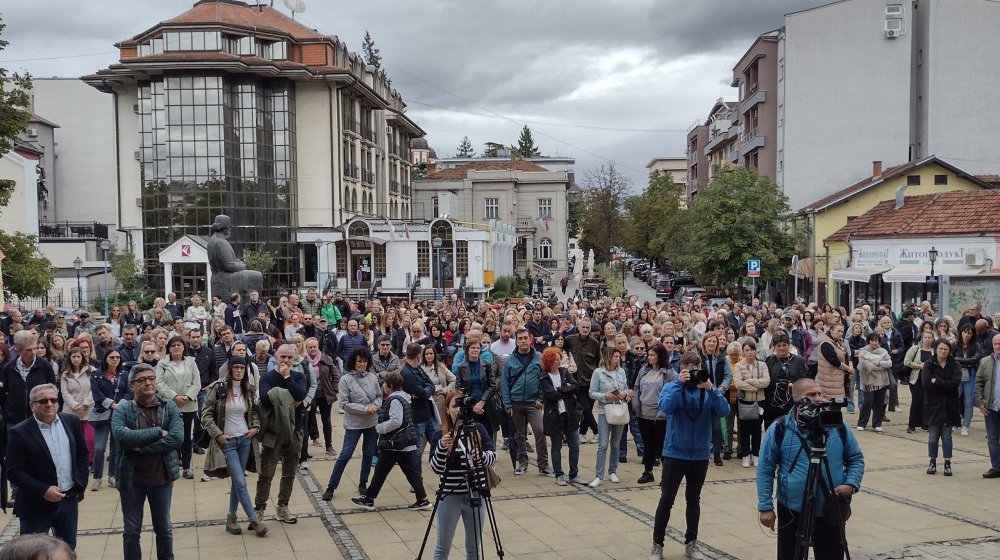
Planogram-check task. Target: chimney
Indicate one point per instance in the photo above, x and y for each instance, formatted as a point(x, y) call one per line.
point(900, 196)
point(877, 168)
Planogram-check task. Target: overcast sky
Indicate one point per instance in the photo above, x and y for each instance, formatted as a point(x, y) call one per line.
point(599, 80)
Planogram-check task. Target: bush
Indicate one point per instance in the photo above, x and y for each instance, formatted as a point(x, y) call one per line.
point(612, 278)
point(505, 287)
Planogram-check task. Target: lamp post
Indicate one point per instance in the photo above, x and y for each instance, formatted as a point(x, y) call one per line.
point(77, 265)
point(105, 246)
point(932, 256)
point(319, 267)
point(437, 263)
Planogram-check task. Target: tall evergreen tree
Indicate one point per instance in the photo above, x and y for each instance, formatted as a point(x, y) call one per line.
point(526, 144)
point(373, 55)
point(465, 148)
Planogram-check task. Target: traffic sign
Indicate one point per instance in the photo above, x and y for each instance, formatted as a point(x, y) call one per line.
point(932, 279)
point(753, 268)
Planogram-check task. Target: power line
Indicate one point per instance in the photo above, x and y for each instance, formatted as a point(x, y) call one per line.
point(56, 57)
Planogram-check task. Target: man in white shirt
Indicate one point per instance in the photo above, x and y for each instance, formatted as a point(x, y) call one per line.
point(505, 345)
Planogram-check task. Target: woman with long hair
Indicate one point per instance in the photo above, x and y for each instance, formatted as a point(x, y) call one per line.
point(941, 376)
point(917, 355)
point(711, 350)
point(74, 385)
point(115, 321)
point(57, 348)
point(360, 398)
point(441, 376)
point(178, 379)
point(943, 329)
point(108, 387)
point(653, 375)
point(751, 377)
point(230, 417)
point(457, 457)
point(608, 384)
point(967, 356)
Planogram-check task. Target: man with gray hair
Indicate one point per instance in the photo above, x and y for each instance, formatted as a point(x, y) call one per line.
point(20, 375)
point(47, 459)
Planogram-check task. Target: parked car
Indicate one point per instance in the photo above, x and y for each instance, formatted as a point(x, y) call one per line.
point(661, 286)
point(676, 282)
point(685, 294)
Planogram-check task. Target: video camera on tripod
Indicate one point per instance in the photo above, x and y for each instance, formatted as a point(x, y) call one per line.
point(816, 417)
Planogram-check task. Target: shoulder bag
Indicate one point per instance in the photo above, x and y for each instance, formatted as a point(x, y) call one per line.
point(616, 413)
point(748, 410)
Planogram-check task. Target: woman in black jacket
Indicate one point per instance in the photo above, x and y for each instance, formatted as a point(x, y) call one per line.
point(561, 418)
point(941, 377)
point(475, 378)
point(967, 355)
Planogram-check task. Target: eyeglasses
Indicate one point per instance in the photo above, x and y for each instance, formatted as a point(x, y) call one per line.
point(46, 401)
point(143, 380)
point(149, 351)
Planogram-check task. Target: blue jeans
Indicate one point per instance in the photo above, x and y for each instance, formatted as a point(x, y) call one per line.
point(633, 426)
point(607, 434)
point(351, 438)
point(62, 520)
point(237, 453)
point(102, 432)
point(425, 430)
point(935, 432)
point(159, 507)
point(965, 391)
point(993, 437)
point(572, 434)
point(451, 507)
point(197, 421)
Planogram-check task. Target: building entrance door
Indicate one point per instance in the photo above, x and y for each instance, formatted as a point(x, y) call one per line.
point(361, 271)
point(190, 279)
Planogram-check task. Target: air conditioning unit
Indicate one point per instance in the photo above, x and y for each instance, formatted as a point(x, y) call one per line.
point(138, 202)
point(892, 33)
point(975, 258)
point(135, 108)
point(137, 155)
point(31, 131)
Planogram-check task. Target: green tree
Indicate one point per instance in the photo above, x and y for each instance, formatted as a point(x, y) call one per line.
point(739, 215)
point(492, 149)
point(26, 273)
point(373, 55)
point(126, 268)
point(604, 226)
point(465, 148)
point(526, 144)
point(258, 259)
point(574, 215)
point(654, 218)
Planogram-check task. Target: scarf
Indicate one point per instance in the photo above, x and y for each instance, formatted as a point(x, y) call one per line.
point(314, 362)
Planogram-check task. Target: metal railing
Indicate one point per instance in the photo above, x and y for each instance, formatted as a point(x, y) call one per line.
point(394, 187)
point(352, 125)
point(72, 230)
point(368, 133)
point(368, 177)
point(351, 171)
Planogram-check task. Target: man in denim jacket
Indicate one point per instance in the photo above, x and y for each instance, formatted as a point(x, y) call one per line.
point(789, 461)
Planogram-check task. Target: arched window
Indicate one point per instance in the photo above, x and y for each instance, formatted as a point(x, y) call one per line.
point(545, 249)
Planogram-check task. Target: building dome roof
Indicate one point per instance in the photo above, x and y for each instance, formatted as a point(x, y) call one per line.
point(419, 144)
point(432, 154)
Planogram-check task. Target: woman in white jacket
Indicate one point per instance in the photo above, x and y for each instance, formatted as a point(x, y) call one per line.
point(178, 379)
point(873, 366)
point(750, 377)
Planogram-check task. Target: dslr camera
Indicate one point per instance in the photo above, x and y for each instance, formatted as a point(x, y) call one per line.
point(465, 404)
point(700, 376)
point(819, 416)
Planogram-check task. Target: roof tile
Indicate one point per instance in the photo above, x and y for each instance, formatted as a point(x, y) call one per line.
point(947, 213)
point(462, 171)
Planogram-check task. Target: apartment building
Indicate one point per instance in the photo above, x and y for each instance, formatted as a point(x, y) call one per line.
point(697, 161)
point(756, 78)
point(236, 108)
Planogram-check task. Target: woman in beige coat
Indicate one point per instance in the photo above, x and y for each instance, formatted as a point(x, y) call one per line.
point(750, 377)
point(178, 379)
point(230, 417)
point(436, 371)
point(74, 385)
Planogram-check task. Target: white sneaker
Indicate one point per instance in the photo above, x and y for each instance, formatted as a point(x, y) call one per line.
point(691, 551)
point(657, 552)
point(207, 478)
point(613, 477)
point(965, 431)
point(746, 462)
point(861, 428)
point(595, 483)
point(753, 459)
point(878, 429)
point(593, 438)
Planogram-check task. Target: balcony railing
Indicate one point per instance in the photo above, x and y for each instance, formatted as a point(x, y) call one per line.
point(367, 177)
point(72, 230)
point(351, 171)
point(405, 190)
point(394, 187)
point(352, 125)
point(753, 98)
point(527, 223)
point(368, 133)
point(751, 140)
point(399, 151)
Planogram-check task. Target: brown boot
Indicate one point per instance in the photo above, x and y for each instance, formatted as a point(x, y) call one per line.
point(258, 525)
point(232, 527)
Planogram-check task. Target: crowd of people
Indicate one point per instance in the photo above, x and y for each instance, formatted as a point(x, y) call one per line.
point(249, 385)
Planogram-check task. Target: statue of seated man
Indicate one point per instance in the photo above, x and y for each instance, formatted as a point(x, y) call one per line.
point(229, 274)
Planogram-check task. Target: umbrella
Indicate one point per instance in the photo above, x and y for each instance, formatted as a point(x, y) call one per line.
point(577, 262)
point(590, 264)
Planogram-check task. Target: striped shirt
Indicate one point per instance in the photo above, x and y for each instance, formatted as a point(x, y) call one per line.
point(455, 481)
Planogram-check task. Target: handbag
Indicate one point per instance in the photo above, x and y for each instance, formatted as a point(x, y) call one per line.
point(616, 414)
point(747, 410)
point(492, 478)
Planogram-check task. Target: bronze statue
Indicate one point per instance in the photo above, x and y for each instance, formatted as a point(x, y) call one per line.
point(229, 274)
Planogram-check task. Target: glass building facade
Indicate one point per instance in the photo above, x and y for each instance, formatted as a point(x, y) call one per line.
point(213, 145)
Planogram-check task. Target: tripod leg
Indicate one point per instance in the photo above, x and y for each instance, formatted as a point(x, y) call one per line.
point(841, 523)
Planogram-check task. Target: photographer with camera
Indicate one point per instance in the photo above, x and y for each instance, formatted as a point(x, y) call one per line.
point(692, 405)
point(785, 453)
point(453, 458)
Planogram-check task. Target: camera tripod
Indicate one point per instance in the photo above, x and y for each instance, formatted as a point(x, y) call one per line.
point(479, 494)
point(810, 494)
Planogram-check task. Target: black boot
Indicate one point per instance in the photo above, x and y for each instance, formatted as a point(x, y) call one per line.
point(947, 467)
point(932, 467)
point(718, 459)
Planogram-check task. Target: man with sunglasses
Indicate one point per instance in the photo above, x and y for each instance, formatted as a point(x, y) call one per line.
point(147, 432)
point(47, 459)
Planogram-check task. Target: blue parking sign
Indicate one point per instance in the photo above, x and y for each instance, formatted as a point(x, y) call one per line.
point(753, 268)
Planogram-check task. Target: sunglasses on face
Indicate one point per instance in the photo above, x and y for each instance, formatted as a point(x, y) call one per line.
point(46, 401)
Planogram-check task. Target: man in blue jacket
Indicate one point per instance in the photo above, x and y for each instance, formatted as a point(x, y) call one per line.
point(522, 399)
point(692, 408)
point(788, 459)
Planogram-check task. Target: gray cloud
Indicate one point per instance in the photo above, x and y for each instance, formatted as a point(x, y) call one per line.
point(634, 64)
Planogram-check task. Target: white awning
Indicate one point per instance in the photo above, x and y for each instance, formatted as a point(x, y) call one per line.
point(856, 274)
point(918, 275)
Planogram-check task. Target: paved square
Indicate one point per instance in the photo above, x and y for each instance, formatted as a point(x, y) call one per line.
point(901, 513)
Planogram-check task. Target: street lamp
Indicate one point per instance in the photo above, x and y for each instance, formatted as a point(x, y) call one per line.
point(932, 256)
point(78, 265)
point(319, 269)
point(437, 263)
point(105, 245)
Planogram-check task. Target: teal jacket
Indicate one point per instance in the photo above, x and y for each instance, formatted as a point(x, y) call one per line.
point(790, 463)
point(522, 388)
point(128, 437)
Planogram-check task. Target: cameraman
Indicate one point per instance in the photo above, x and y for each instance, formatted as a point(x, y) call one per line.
point(692, 407)
point(789, 458)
